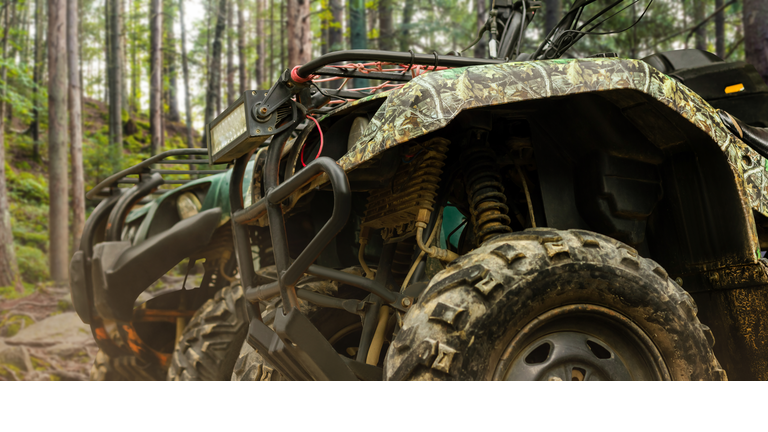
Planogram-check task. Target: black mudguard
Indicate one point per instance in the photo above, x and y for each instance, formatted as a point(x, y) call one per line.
point(120, 272)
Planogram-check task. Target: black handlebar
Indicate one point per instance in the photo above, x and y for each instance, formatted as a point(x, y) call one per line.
point(390, 56)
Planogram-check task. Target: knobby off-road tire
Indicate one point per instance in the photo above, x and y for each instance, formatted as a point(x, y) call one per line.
point(522, 302)
point(250, 365)
point(338, 326)
point(210, 344)
point(125, 368)
point(101, 370)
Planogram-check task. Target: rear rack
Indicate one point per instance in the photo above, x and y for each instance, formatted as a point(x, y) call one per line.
point(108, 186)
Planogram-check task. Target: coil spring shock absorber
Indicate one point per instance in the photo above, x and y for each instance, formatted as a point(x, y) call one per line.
point(484, 189)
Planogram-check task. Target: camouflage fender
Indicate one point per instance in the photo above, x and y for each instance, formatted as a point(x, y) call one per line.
point(430, 101)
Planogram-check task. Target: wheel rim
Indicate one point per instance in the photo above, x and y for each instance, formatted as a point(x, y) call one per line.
point(581, 343)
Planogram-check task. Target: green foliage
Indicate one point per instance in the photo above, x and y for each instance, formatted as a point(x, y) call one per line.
point(33, 263)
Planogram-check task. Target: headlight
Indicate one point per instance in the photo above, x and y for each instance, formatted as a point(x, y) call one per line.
point(237, 130)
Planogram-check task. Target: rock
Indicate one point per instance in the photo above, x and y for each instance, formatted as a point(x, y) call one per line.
point(15, 356)
point(65, 328)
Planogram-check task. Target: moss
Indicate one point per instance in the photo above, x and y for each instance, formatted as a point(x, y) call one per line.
point(12, 324)
point(33, 263)
point(10, 293)
point(54, 377)
point(39, 364)
point(63, 306)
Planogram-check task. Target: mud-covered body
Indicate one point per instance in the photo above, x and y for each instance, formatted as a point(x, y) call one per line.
point(619, 148)
point(116, 264)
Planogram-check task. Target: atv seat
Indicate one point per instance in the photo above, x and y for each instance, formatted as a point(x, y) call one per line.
point(755, 137)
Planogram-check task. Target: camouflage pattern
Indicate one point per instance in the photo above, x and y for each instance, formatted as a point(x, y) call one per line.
point(430, 101)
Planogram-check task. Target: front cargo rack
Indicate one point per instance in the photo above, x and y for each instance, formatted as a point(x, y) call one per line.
point(108, 186)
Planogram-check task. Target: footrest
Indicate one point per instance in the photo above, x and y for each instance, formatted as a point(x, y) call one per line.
point(298, 349)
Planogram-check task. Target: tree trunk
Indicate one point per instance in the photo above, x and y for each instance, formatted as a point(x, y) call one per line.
point(58, 251)
point(755, 17)
point(170, 50)
point(75, 125)
point(123, 63)
point(299, 32)
point(719, 30)
point(185, 68)
point(553, 12)
point(115, 71)
point(701, 33)
point(214, 84)
point(261, 46)
point(271, 37)
point(230, 57)
point(357, 33)
point(37, 77)
point(135, 69)
point(155, 76)
point(241, 47)
point(386, 29)
point(108, 59)
point(9, 270)
point(282, 35)
point(481, 48)
point(335, 35)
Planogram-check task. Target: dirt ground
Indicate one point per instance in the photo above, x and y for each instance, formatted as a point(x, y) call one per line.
point(42, 338)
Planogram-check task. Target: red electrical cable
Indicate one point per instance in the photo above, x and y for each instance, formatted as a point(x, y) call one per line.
point(305, 144)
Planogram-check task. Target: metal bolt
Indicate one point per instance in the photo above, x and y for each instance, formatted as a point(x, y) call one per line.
point(258, 130)
point(269, 129)
point(679, 280)
point(554, 378)
point(263, 110)
point(406, 302)
point(253, 93)
point(289, 84)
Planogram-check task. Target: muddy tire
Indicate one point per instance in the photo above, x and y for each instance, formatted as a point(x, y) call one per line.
point(210, 344)
point(101, 370)
point(126, 368)
point(544, 304)
point(250, 365)
point(339, 327)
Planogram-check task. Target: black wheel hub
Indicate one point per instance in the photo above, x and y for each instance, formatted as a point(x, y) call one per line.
point(581, 343)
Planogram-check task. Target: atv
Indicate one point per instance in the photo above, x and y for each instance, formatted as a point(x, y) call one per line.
point(523, 217)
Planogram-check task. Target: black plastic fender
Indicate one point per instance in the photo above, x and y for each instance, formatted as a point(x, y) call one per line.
point(120, 272)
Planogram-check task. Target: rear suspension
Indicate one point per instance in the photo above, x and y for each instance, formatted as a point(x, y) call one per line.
point(487, 201)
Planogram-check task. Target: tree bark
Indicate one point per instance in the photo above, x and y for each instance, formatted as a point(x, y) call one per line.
point(58, 252)
point(282, 35)
point(358, 35)
point(299, 32)
point(9, 270)
point(185, 68)
point(230, 56)
point(755, 18)
point(241, 47)
point(553, 12)
point(335, 35)
point(37, 77)
point(701, 33)
point(481, 48)
point(719, 30)
point(386, 29)
point(155, 76)
point(75, 124)
point(271, 38)
point(213, 95)
point(115, 71)
point(170, 50)
point(261, 45)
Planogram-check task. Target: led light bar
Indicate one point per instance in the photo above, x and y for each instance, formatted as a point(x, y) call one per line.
point(236, 131)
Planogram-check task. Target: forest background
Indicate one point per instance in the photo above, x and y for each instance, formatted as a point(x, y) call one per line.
point(88, 87)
